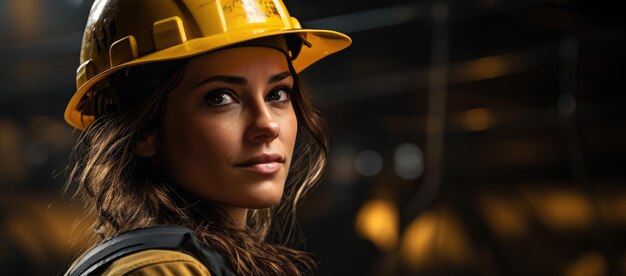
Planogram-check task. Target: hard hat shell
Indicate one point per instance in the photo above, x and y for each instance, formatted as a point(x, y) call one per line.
point(122, 33)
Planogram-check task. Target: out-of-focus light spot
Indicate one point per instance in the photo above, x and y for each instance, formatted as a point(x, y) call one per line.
point(507, 218)
point(477, 119)
point(419, 240)
point(567, 104)
point(56, 133)
point(19, 228)
point(25, 18)
point(482, 68)
point(36, 153)
point(368, 163)
point(435, 237)
point(41, 229)
point(12, 167)
point(342, 169)
point(589, 264)
point(377, 221)
point(562, 209)
point(408, 161)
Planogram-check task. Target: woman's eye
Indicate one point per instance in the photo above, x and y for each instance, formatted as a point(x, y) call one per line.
point(279, 95)
point(219, 97)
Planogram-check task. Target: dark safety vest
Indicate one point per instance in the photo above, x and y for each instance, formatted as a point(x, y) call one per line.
point(177, 238)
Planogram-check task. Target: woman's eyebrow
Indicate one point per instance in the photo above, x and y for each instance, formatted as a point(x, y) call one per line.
point(224, 78)
point(241, 80)
point(279, 77)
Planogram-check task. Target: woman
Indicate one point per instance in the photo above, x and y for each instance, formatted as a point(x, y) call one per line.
point(193, 115)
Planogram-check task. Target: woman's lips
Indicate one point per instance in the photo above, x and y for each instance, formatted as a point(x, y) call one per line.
point(263, 168)
point(266, 163)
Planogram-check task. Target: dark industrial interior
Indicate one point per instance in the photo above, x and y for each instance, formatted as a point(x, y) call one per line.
point(475, 137)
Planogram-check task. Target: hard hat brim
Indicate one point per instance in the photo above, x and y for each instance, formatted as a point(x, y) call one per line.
point(323, 43)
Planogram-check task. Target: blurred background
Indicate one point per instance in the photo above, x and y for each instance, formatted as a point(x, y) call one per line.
point(468, 137)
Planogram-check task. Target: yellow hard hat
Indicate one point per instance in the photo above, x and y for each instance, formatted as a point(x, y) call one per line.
point(122, 33)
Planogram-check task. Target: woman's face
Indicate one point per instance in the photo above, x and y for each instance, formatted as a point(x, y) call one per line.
point(229, 128)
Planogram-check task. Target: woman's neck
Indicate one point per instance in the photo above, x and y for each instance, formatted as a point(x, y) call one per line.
point(238, 216)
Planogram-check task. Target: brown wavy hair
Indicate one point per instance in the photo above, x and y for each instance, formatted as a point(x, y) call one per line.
point(122, 191)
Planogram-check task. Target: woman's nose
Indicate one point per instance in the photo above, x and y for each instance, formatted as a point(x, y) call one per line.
point(264, 127)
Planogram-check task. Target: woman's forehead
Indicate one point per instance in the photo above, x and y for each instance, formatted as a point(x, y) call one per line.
point(241, 60)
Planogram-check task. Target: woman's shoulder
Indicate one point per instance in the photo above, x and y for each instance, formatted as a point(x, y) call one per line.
point(158, 250)
point(157, 262)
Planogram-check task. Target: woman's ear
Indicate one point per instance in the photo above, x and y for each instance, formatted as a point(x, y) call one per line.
point(147, 146)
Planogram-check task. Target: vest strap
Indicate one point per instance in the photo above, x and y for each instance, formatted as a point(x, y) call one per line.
point(178, 238)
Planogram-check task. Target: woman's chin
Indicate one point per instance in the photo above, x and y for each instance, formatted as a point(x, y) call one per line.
point(263, 196)
point(264, 202)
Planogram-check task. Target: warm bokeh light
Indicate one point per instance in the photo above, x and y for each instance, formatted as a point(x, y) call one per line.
point(54, 132)
point(25, 18)
point(506, 217)
point(435, 237)
point(377, 221)
point(589, 264)
point(39, 228)
point(482, 68)
point(418, 240)
point(477, 119)
point(492, 144)
point(562, 209)
point(12, 167)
